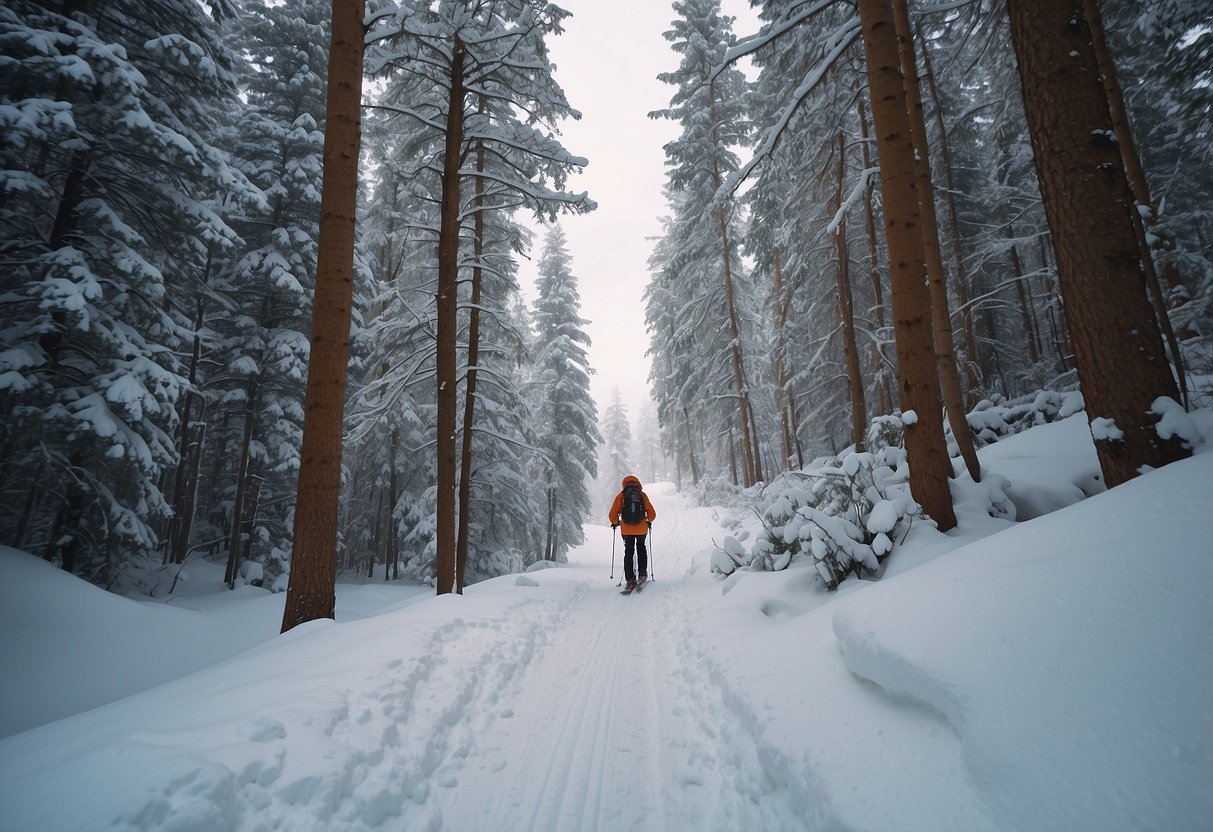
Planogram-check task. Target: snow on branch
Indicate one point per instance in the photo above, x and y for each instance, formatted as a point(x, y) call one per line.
point(843, 38)
point(861, 186)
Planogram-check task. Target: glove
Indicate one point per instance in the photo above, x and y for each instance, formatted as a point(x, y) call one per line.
point(649, 523)
point(614, 525)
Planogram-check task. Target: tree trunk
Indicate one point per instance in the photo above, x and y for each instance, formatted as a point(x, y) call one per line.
point(1141, 194)
point(183, 484)
point(930, 466)
point(859, 416)
point(781, 367)
point(233, 543)
point(690, 449)
point(310, 592)
point(878, 357)
point(961, 284)
point(469, 399)
point(393, 534)
point(448, 325)
point(1089, 207)
point(945, 346)
point(1030, 330)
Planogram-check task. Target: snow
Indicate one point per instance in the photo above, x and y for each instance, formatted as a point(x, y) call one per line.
point(1047, 674)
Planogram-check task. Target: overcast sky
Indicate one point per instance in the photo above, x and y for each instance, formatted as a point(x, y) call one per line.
point(607, 61)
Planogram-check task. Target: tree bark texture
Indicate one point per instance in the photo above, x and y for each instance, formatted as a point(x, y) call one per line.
point(878, 357)
point(469, 399)
point(448, 325)
point(961, 284)
point(859, 416)
point(1117, 346)
point(945, 345)
point(310, 592)
point(781, 364)
point(918, 381)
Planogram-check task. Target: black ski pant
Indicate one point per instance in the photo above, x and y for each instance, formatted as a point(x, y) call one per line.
point(635, 542)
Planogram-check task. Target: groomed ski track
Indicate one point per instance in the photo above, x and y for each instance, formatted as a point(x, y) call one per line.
point(619, 722)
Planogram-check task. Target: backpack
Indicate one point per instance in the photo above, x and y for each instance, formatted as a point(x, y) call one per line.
point(632, 510)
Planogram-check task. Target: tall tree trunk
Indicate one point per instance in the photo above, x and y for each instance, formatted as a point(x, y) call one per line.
point(859, 416)
point(1089, 206)
point(311, 589)
point(447, 307)
point(469, 399)
point(961, 284)
point(945, 347)
point(182, 483)
point(1136, 175)
point(690, 449)
point(233, 543)
point(393, 495)
point(918, 381)
point(782, 305)
point(1030, 330)
point(878, 357)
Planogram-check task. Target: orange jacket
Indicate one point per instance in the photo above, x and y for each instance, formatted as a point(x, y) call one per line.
point(617, 507)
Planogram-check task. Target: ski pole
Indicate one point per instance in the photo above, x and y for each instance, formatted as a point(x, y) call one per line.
point(652, 571)
point(612, 551)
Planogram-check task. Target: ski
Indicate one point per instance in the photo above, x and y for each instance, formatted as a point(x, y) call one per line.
point(639, 586)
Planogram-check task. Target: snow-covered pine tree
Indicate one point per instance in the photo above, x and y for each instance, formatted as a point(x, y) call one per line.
point(109, 220)
point(702, 266)
point(261, 333)
point(487, 81)
point(615, 461)
point(567, 427)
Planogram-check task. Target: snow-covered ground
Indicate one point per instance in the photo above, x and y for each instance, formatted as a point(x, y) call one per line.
point(1055, 674)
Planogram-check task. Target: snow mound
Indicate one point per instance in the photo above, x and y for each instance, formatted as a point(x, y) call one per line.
point(1073, 655)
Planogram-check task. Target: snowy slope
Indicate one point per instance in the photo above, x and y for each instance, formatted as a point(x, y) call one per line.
point(1052, 675)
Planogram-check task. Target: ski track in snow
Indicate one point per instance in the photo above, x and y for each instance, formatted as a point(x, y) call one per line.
point(619, 725)
point(570, 709)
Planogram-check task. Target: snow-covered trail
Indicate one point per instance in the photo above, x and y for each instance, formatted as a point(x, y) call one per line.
point(617, 724)
point(544, 701)
point(613, 728)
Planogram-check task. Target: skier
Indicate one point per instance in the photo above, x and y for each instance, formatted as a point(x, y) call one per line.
point(633, 510)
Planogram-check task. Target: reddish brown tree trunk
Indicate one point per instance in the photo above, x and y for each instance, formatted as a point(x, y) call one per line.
point(945, 347)
point(967, 326)
point(1117, 346)
point(859, 416)
point(469, 399)
point(448, 325)
point(311, 589)
point(878, 356)
point(930, 466)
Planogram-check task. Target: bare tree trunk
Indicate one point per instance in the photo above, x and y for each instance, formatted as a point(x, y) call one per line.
point(447, 307)
point(690, 449)
point(1089, 207)
point(878, 357)
point(186, 480)
point(859, 416)
point(1031, 333)
point(945, 348)
point(311, 590)
point(781, 367)
point(469, 399)
point(233, 543)
point(1141, 193)
point(961, 283)
point(393, 495)
point(930, 466)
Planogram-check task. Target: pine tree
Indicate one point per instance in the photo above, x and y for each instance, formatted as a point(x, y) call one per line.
point(568, 423)
point(311, 591)
point(711, 111)
point(485, 79)
point(1090, 207)
point(111, 215)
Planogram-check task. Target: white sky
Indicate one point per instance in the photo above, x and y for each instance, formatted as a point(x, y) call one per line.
point(607, 61)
